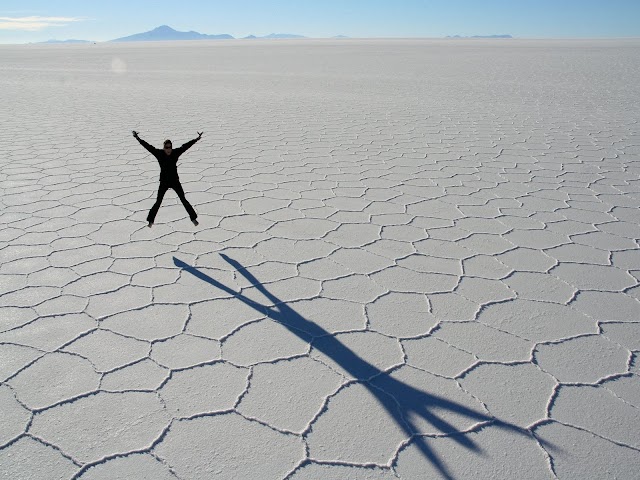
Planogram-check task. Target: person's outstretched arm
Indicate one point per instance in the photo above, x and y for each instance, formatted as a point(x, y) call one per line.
point(149, 147)
point(186, 146)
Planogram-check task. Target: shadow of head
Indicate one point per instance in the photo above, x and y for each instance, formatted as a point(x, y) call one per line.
point(408, 406)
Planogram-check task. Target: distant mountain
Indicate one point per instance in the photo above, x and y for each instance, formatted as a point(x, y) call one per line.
point(71, 40)
point(165, 32)
point(481, 36)
point(340, 36)
point(250, 36)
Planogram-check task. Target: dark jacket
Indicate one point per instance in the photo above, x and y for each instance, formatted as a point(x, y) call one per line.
point(168, 163)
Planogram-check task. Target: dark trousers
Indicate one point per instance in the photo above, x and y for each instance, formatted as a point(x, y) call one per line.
point(164, 186)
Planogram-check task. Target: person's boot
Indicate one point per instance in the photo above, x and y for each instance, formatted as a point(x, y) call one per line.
point(150, 224)
point(195, 222)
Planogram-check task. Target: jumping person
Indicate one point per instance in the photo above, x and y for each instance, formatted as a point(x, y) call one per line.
point(168, 160)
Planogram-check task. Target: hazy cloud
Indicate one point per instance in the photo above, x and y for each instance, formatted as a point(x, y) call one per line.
point(34, 23)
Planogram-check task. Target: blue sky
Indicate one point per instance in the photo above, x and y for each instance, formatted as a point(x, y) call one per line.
point(24, 21)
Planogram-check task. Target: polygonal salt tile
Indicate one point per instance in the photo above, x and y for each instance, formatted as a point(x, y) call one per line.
point(527, 259)
point(485, 266)
point(585, 455)
point(599, 411)
point(604, 241)
point(354, 288)
point(107, 350)
point(261, 205)
point(403, 233)
point(28, 297)
point(93, 266)
point(219, 317)
point(486, 243)
point(76, 256)
point(401, 315)
point(436, 356)
point(621, 228)
point(318, 316)
point(13, 317)
point(183, 351)
point(149, 323)
point(492, 452)
point(96, 284)
point(625, 334)
point(138, 465)
point(290, 251)
point(577, 253)
point(449, 234)
point(204, 389)
point(50, 333)
point(515, 394)
point(431, 404)
point(195, 285)
point(351, 235)
point(627, 259)
point(14, 416)
point(11, 283)
point(322, 269)
point(283, 291)
point(143, 375)
point(582, 360)
point(264, 341)
point(453, 307)
point(608, 306)
point(435, 209)
point(229, 447)
point(319, 471)
point(103, 424)
point(627, 388)
point(348, 204)
point(288, 394)
point(540, 286)
point(73, 376)
point(267, 272)
point(482, 290)
point(400, 279)
point(359, 425)
point(52, 277)
point(391, 249)
point(131, 266)
point(358, 354)
point(537, 321)
point(105, 214)
point(155, 277)
point(30, 459)
point(428, 264)
point(15, 357)
point(593, 277)
point(357, 260)
point(484, 342)
point(62, 305)
point(483, 225)
point(127, 298)
point(302, 228)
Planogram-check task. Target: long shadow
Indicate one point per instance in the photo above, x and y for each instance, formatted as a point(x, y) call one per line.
point(401, 401)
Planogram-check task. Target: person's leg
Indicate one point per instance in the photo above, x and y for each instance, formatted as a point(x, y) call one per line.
point(178, 189)
point(162, 189)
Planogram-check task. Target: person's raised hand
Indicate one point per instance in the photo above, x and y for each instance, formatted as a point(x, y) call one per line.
point(199, 134)
point(135, 134)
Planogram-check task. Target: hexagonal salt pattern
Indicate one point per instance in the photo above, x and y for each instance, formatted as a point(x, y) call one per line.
point(412, 262)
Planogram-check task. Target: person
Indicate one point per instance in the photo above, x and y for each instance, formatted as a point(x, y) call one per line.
point(168, 160)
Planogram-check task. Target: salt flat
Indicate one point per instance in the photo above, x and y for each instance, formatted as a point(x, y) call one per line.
point(415, 259)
